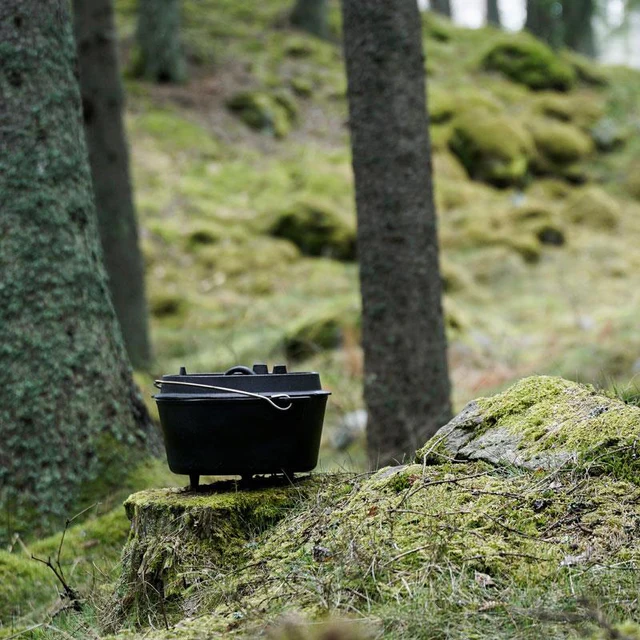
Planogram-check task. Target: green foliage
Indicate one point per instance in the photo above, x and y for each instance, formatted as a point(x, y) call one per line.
point(529, 62)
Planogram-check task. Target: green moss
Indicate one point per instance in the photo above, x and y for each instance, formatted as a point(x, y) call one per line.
point(271, 113)
point(529, 62)
point(558, 144)
point(320, 329)
point(492, 148)
point(317, 228)
point(545, 422)
point(586, 70)
point(442, 105)
point(592, 207)
point(581, 110)
point(174, 133)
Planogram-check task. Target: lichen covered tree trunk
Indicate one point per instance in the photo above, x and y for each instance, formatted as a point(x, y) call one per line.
point(406, 376)
point(102, 102)
point(493, 13)
point(578, 26)
point(70, 415)
point(441, 6)
point(312, 16)
point(544, 20)
point(159, 56)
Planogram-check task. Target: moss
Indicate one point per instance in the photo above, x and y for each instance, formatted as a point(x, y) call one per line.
point(172, 531)
point(302, 86)
point(436, 27)
point(492, 148)
point(447, 166)
point(558, 144)
point(173, 133)
point(529, 62)
point(592, 207)
point(320, 329)
point(455, 278)
point(317, 228)
point(586, 70)
point(442, 105)
point(581, 110)
point(632, 181)
point(271, 113)
point(166, 304)
point(546, 422)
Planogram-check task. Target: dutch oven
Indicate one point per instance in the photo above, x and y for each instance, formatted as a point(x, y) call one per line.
point(242, 422)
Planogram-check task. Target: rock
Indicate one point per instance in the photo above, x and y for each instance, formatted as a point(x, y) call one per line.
point(592, 207)
point(529, 62)
point(269, 112)
point(558, 145)
point(582, 111)
point(492, 148)
point(317, 228)
point(545, 423)
point(608, 135)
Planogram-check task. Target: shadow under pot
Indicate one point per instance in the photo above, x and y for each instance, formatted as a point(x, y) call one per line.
point(242, 422)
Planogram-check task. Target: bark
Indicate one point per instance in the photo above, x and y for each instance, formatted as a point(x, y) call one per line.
point(493, 13)
point(441, 6)
point(578, 26)
point(544, 20)
point(406, 377)
point(70, 416)
point(159, 51)
point(312, 16)
point(102, 103)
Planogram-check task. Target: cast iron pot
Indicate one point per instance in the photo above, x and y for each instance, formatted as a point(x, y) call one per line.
point(241, 422)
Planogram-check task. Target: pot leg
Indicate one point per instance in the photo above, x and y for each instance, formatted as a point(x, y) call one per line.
point(194, 480)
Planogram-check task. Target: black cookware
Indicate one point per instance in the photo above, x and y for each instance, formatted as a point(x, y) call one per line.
point(241, 422)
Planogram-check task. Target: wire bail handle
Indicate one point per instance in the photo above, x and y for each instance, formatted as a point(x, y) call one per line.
point(158, 385)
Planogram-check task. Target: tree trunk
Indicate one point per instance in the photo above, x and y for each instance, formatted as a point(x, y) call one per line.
point(406, 377)
point(102, 102)
point(312, 16)
point(71, 419)
point(544, 20)
point(578, 26)
point(159, 55)
point(493, 13)
point(441, 6)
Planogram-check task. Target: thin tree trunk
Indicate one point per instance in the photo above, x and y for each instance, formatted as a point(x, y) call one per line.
point(493, 13)
point(578, 26)
point(159, 55)
point(406, 377)
point(544, 20)
point(312, 16)
point(102, 103)
point(441, 6)
point(70, 416)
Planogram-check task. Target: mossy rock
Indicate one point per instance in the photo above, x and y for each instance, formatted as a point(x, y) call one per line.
point(320, 330)
point(632, 181)
point(447, 166)
point(584, 111)
point(442, 105)
point(559, 145)
point(592, 207)
point(165, 304)
point(437, 27)
point(268, 112)
point(530, 62)
point(587, 71)
point(455, 278)
point(541, 221)
point(546, 423)
point(608, 135)
point(317, 228)
point(492, 148)
point(302, 86)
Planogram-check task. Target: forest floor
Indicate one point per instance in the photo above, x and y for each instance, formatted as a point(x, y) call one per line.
point(248, 234)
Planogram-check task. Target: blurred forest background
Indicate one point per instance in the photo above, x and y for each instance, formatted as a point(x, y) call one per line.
point(242, 193)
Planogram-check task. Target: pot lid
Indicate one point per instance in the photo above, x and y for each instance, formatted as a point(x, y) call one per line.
point(257, 380)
